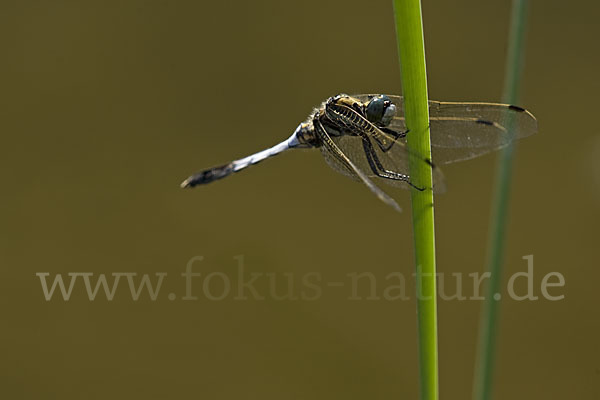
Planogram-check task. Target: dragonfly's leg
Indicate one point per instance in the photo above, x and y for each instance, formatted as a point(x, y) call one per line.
point(337, 153)
point(394, 135)
point(379, 170)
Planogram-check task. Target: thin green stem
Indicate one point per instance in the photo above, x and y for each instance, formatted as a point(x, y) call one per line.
point(409, 31)
point(486, 351)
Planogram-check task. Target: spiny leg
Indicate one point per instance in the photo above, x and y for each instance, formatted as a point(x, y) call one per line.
point(335, 151)
point(393, 134)
point(379, 170)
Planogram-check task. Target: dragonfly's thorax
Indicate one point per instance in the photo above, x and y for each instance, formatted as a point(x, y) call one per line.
point(347, 114)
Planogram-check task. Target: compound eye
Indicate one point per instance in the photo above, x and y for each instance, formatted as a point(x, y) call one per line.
point(380, 110)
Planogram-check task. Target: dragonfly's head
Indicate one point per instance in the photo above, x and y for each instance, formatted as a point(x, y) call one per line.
point(380, 110)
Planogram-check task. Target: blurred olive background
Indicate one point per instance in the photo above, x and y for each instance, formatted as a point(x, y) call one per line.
point(107, 106)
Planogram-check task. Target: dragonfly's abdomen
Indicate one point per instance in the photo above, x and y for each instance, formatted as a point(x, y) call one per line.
point(305, 133)
point(209, 175)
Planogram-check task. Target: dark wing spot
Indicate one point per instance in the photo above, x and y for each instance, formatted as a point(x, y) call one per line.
point(516, 108)
point(484, 122)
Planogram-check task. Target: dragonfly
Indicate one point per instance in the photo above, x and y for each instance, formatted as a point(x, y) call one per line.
point(364, 137)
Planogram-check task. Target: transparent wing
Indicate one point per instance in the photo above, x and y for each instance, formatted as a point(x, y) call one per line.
point(342, 161)
point(394, 160)
point(461, 131)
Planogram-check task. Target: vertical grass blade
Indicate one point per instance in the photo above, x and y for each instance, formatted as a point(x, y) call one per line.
point(486, 350)
point(409, 31)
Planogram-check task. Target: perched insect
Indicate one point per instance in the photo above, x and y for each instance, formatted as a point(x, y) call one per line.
point(364, 137)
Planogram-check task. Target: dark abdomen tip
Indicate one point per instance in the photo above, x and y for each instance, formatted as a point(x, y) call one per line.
point(208, 176)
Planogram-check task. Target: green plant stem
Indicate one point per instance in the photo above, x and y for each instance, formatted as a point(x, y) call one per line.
point(486, 351)
point(409, 31)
